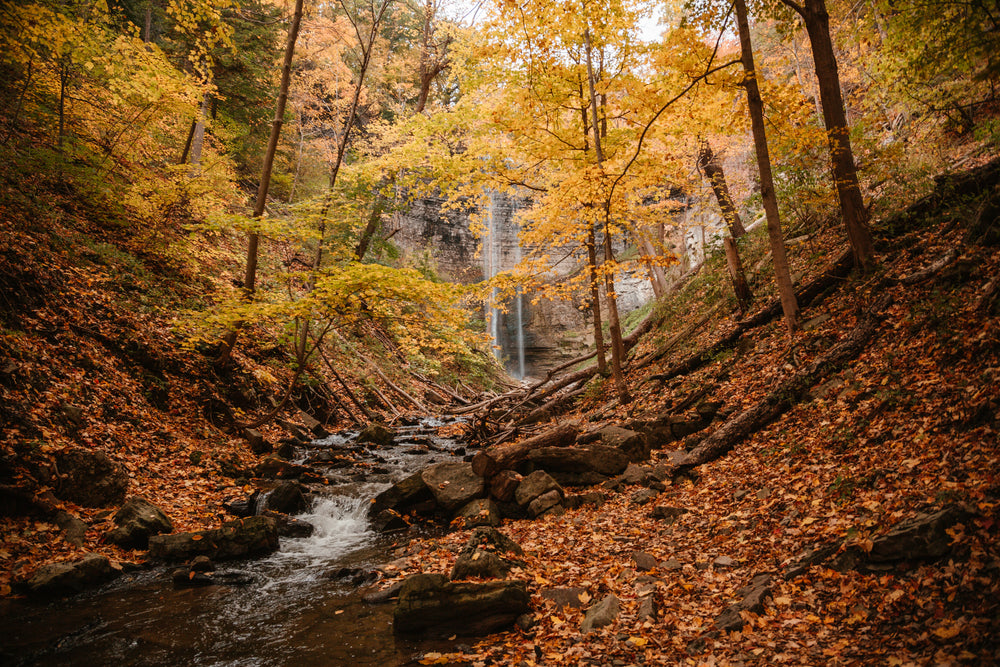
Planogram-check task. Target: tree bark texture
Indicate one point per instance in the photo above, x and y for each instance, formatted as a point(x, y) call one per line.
point(717, 178)
point(492, 460)
point(845, 175)
point(782, 398)
point(738, 276)
point(782, 275)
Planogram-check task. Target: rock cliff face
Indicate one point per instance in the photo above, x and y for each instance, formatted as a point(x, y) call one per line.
point(529, 338)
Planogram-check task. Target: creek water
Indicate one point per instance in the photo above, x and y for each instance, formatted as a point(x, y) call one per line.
point(294, 611)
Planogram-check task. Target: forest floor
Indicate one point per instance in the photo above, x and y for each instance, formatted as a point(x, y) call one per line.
point(908, 427)
point(911, 425)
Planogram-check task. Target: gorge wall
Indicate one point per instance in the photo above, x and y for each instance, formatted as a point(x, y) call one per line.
point(530, 338)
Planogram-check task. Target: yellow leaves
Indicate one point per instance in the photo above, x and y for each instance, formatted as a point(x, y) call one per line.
point(947, 630)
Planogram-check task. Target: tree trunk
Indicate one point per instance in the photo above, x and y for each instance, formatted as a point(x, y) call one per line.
point(782, 276)
point(490, 461)
point(783, 397)
point(198, 133)
point(845, 175)
point(374, 219)
point(738, 276)
point(657, 278)
point(717, 178)
point(614, 325)
point(250, 275)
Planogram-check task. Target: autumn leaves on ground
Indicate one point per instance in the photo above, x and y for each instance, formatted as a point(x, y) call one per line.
point(908, 427)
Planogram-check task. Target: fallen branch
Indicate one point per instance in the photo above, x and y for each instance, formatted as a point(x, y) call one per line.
point(781, 399)
point(491, 460)
point(836, 272)
point(923, 274)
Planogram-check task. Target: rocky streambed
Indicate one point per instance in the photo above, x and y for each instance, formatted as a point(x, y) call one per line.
point(299, 605)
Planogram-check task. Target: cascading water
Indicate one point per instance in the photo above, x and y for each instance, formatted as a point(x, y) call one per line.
point(503, 232)
point(295, 609)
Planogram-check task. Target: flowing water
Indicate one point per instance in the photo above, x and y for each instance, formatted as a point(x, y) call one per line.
point(502, 250)
point(295, 611)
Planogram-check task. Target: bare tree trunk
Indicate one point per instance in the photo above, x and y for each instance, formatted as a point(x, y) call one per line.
point(782, 276)
point(374, 219)
point(738, 276)
point(717, 178)
point(250, 275)
point(595, 300)
point(198, 133)
point(845, 175)
point(656, 277)
point(148, 23)
point(614, 324)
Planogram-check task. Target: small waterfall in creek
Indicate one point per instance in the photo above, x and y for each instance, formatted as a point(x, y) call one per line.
point(502, 250)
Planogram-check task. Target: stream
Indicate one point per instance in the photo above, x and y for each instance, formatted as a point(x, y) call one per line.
point(294, 611)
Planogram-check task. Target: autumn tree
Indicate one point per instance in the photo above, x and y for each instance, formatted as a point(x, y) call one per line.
point(782, 275)
point(843, 168)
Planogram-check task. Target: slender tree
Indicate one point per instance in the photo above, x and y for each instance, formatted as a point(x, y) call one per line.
point(250, 274)
point(782, 276)
point(845, 174)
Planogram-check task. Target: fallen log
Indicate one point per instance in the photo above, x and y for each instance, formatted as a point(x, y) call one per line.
point(837, 271)
point(781, 399)
point(491, 460)
point(551, 408)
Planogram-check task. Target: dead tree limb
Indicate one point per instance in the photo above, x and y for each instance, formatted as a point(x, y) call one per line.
point(491, 460)
point(781, 399)
point(836, 272)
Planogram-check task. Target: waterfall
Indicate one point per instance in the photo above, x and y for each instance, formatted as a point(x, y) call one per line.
point(490, 253)
point(501, 229)
point(520, 300)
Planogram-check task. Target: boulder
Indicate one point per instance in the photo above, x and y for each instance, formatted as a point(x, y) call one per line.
point(243, 538)
point(388, 521)
point(481, 564)
point(601, 614)
point(752, 599)
point(545, 502)
point(643, 497)
point(534, 485)
point(136, 521)
point(286, 498)
point(90, 478)
point(635, 474)
point(73, 528)
point(272, 467)
point(593, 498)
point(430, 604)
point(453, 484)
point(258, 445)
point(492, 538)
point(644, 561)
point(378, 434)
point(289, 526)
point(576, 466)
point(924, 537)
point(633, 444)
point(401, 496)
point(67, 578)
point(565, 597)
point(241, 507)
point(667, 513)
point(480, 512)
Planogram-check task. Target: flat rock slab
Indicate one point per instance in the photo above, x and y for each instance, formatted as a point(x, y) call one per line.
point(243, 538)
point(429, 603)
point(67, 578)
point(453, 484)
point(603, 613)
